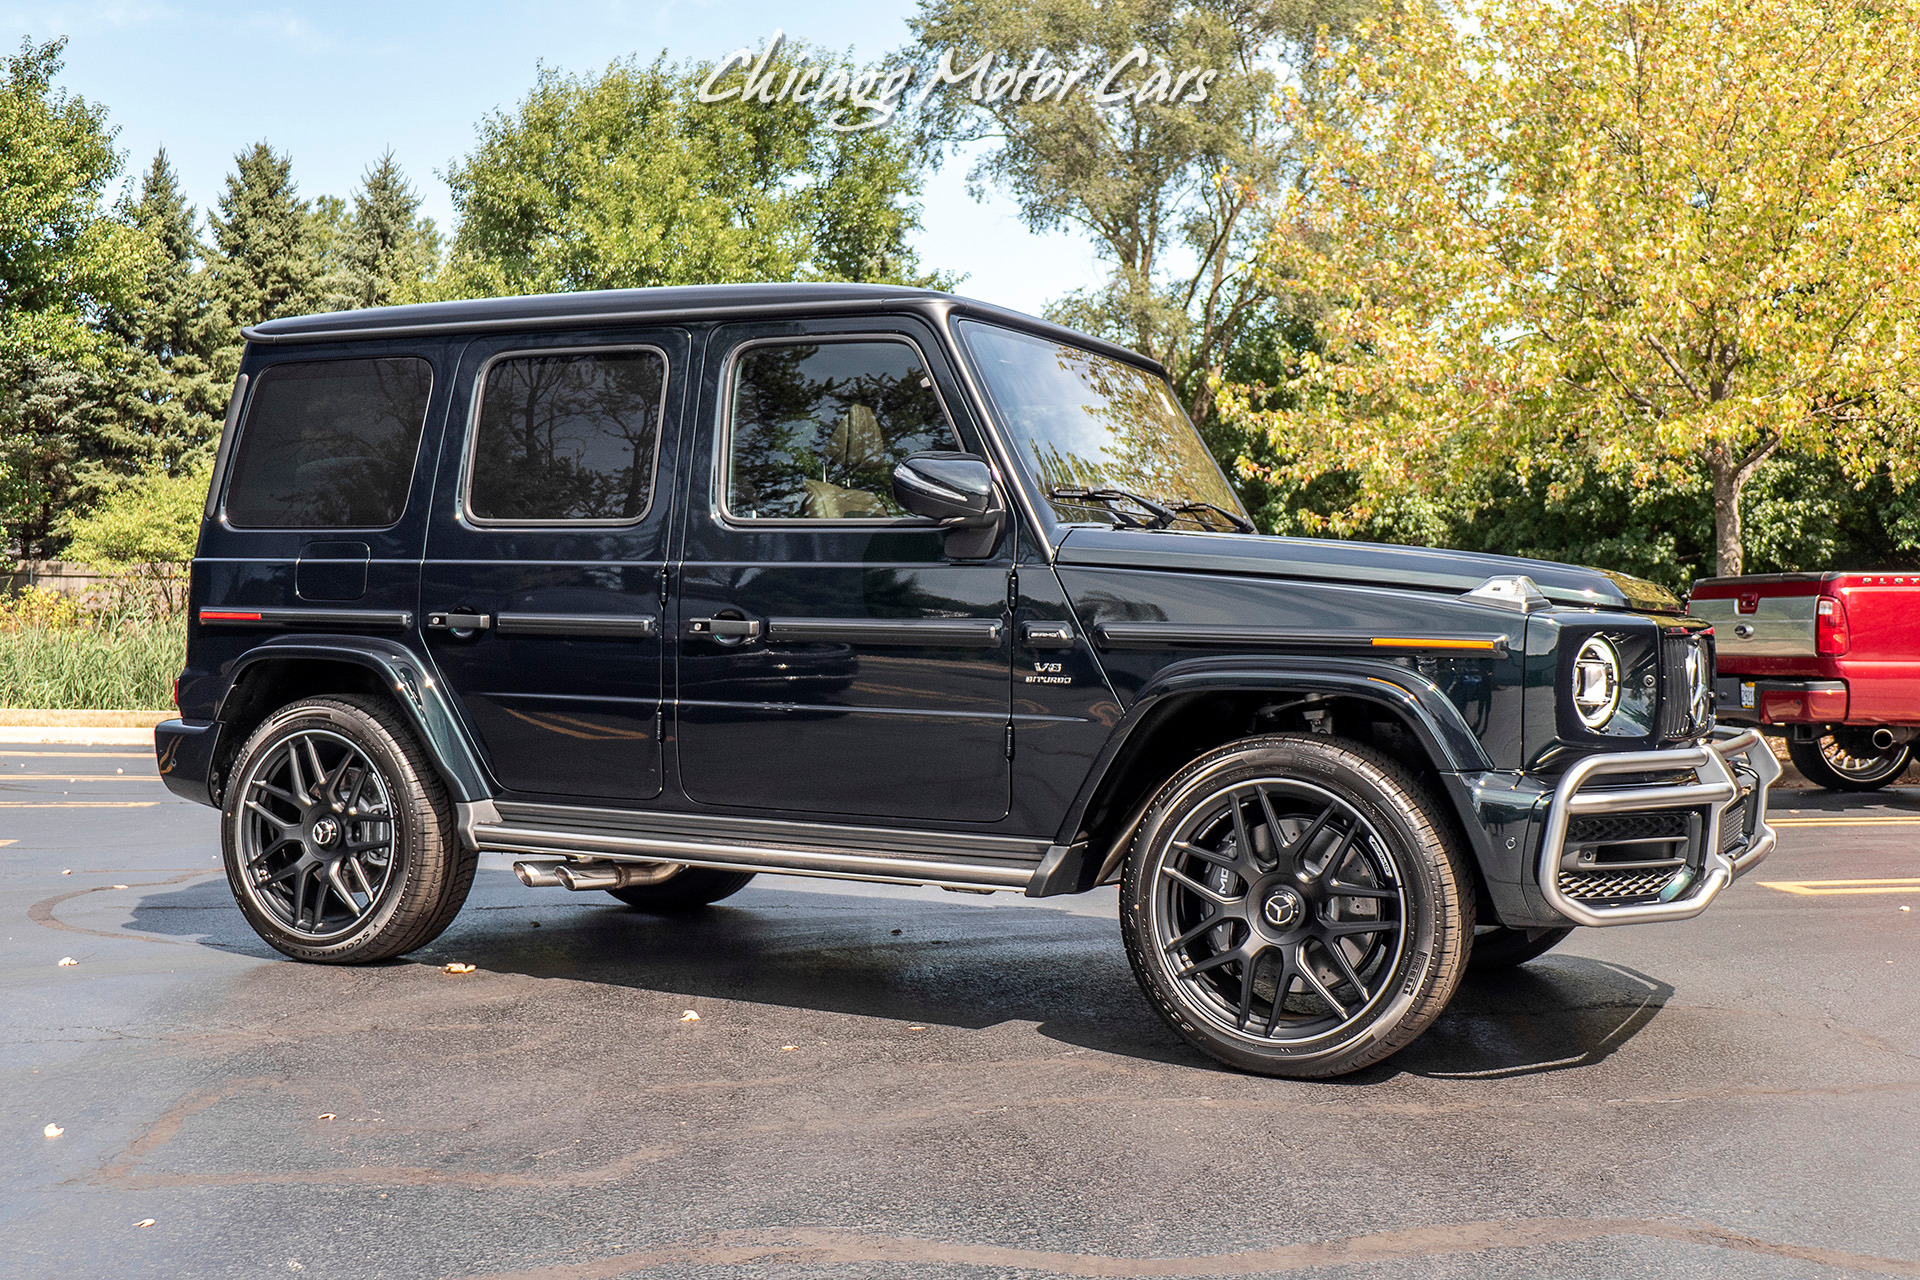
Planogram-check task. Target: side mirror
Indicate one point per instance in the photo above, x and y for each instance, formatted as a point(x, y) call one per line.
point(957, 489)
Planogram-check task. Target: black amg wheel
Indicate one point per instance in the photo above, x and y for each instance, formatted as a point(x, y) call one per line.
point(1294, 905)
point(1497, 948)
point(339, 837)
point(684, 889)
point(1847, 760)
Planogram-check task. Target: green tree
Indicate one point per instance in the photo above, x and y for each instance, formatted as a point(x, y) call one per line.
point(1170, 182)
point(66, 261)
point(625, 180)
point(166, 399)
point(269, 249)
point(388, 252)
point(1677, 236)
point(145, 529)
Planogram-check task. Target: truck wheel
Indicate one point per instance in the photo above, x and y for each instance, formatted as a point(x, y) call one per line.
point(687, 889)
point(1496, 948)
point(338, 835)
point(1295, 905)
point(1847, 760)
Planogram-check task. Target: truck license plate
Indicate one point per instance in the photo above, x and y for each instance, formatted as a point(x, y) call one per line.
point(1746, 693)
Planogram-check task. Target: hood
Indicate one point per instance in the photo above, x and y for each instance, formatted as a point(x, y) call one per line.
point(1363, 563)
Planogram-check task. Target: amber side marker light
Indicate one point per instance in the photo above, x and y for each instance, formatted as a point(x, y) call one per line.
point(1434, 642)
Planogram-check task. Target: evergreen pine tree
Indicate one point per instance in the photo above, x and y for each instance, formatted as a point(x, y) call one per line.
point(267, 259)
point(165, 393)
point(390, 251)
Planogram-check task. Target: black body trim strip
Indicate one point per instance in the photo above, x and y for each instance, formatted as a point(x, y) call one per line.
point(945, 633)
point(637, 627)
point(358, 619)
point(1170, 635)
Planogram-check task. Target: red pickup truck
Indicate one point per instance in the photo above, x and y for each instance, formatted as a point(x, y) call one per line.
point(1830, 660)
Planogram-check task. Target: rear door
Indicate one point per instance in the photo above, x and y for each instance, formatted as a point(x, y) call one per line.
point(543, 583)
point(833, 660)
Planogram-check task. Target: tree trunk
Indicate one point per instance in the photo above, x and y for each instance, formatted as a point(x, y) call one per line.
point(1729, 477)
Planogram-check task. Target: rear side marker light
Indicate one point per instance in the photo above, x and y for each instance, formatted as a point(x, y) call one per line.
point(1831, 638)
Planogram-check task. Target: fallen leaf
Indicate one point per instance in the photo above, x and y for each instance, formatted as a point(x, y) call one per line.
point(144, 1222)
point(53, 1131)
point(65, 961)
point(66, 873)
point(689, 1016)
point(788, 1048)
point(916, 1028)
point(327, 1115)
point(119, 886)
point(459, 968)
point(896, 933)
point(1906, 908)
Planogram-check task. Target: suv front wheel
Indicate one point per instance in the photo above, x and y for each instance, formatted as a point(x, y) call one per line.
point(1295, 905)
point(339, 837)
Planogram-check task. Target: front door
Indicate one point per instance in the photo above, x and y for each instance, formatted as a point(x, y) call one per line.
point(544, 578)
point(833, 660)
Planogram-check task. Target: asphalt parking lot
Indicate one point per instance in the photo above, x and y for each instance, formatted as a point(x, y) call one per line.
point(897, 1082)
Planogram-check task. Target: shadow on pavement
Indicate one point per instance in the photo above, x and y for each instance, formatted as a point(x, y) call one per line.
point(965, 964)
point(1899, 799)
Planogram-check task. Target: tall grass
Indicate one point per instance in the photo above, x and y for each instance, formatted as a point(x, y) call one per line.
point(123, 663)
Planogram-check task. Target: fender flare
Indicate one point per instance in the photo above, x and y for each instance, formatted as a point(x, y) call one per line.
point(416, 691)
point(1435, 721)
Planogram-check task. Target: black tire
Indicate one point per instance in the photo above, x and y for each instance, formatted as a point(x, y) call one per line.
point(1351, 958)
point(1496, 948)
point(300, 886)
point(687, 889)
point(1847, 760)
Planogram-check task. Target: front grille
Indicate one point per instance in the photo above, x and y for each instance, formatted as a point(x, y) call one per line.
point(1676, 722)
point(1612, 828)
point(1619, 888)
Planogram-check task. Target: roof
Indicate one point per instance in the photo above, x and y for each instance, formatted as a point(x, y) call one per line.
point(676, 303)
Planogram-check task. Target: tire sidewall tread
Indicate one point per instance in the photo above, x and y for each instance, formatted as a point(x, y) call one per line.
point(1432, 863)
point(437, 871)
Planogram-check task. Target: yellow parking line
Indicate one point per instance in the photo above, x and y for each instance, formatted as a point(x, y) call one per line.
point(1824, 888)
point(78, 804)
point(85, 755)
point(79, 777)
point(1843, 822)
point(7, 842)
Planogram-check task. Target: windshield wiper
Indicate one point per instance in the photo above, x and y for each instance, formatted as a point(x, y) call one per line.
point(1162, 516)
point(1239, 522)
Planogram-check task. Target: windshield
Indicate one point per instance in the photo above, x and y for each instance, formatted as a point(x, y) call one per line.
point(1089, 423)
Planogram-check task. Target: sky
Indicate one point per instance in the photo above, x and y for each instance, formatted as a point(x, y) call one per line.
point(334, 85)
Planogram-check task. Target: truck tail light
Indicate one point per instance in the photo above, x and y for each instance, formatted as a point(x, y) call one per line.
point(1830, 636)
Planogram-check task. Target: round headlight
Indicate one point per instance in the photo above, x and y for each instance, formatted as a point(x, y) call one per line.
point(1596, 682)
point(1699, 684)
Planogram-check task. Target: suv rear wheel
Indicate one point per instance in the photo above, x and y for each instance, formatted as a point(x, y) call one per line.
point(339, 837)
point(1295, 905)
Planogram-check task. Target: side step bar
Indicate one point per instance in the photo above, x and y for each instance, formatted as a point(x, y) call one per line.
point(490, 835)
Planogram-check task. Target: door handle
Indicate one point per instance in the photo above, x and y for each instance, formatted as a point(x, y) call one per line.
point(726, 630)
point(459, 621)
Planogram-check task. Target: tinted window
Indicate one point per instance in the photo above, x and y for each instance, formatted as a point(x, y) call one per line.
point(818, 427)
point(567, 437)
point(1086, 421)
point(330, 444)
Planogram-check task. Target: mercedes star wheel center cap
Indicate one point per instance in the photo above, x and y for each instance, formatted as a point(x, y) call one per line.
point(325, 831)
point(1282, 908)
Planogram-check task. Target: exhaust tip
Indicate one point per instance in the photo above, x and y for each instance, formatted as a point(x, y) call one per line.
point(1883, 738)
point(538, 875)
